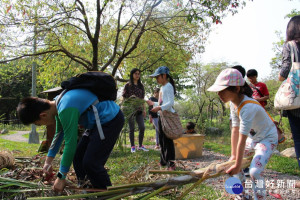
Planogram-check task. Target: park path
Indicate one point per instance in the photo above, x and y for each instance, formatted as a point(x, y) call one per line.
point(17, 137)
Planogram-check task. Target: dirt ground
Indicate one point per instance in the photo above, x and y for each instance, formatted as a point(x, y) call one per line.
point(277, 183)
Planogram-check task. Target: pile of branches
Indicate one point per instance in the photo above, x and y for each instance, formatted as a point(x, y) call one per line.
point(23, 177)
point(27, 180)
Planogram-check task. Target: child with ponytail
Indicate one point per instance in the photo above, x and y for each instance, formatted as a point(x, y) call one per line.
point(247, 114)
point(165, 102)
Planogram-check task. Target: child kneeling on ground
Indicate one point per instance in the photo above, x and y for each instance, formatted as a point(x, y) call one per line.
point(263, 138)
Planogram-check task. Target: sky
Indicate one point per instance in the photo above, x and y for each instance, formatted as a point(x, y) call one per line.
point(247, 37)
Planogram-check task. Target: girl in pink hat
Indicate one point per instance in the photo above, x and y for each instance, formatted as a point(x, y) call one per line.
point(253, 131)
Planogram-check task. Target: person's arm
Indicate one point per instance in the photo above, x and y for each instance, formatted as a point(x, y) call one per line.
point(150, 118)
point(280, 78)
point(236, 168)
point(265, 93)
point(125, 93)
point(286, 63)
point(56, 142)
point(234, 142)
point(264, 98)
point(235, 124)
point(69, 119)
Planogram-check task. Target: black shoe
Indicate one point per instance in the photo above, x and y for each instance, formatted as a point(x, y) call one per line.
point(246, 172)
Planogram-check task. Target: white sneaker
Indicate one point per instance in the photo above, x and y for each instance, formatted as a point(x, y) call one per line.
point(133, 149)
point(143, 148)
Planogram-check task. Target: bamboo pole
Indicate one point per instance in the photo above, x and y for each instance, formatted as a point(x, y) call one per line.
point(163, 188)
point(170, 172)
point(120, 196)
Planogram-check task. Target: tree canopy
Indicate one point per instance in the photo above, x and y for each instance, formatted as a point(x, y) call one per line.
point(71, 36)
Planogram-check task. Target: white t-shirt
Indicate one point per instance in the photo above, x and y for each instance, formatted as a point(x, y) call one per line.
point(253, 116)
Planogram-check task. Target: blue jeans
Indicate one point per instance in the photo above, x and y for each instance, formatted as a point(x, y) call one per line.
point(295, 128)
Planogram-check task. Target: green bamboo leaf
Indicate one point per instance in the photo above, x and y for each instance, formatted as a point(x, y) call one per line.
point(18, 182)
point(21, 190)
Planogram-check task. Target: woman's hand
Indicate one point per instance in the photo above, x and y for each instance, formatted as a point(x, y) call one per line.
point(150, 103)
point(234, 169)
point(156, 109)
point(59, 185)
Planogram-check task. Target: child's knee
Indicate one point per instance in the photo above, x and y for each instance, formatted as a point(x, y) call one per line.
point(255, 173)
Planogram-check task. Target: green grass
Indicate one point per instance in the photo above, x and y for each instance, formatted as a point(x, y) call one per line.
point(284, 165)
point(19, 148)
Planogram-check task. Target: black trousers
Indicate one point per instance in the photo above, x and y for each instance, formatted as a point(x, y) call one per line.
point(92, 153)
point(140, 121)
point(167, 150)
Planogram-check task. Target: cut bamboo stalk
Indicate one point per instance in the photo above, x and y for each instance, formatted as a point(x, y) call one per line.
point(166, 187)
point(170, 172)
point(120, 196)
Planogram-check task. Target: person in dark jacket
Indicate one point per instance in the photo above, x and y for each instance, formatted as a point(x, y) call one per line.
point(292, 34)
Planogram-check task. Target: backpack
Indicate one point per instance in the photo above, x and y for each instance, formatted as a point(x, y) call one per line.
point(101, 84)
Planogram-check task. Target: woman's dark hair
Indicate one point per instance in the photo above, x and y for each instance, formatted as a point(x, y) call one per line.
point(293, 29)
point(240, 69)
point(172, 82)
point(131, 77)
point(245, 89)
point(30, 108)
point(156, 90)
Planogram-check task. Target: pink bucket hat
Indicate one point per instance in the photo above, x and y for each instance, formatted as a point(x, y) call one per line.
point(228, 77)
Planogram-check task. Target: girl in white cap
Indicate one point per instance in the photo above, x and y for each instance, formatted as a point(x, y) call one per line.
point(247, 114)
point(165, 102)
